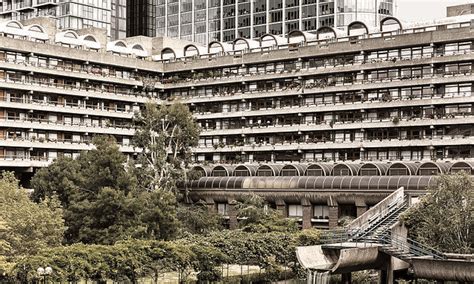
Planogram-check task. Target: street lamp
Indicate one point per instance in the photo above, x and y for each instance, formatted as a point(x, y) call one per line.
point(44, 272)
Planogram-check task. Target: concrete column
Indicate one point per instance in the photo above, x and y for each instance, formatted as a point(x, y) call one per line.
point(307, 213)
point(281, 208)
point(211, 205)
point(333, 216)
point(346, 278)
point(232, 213)
point(361, 207)
point(386, 275)
point(361, 210)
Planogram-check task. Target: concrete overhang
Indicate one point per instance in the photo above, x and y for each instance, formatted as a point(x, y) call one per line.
point(448, 270)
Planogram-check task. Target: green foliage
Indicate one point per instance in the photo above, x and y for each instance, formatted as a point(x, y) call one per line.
point(198, 219)
point(26, 226)
point(104, 167)
point(85, 176)
point(101, 201)
point(126, 261)
point(62, 177)
point(166, 135)
point(444, 218)
point(257, 216)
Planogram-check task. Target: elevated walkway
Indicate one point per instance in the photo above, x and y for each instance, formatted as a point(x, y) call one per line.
point(377, 240)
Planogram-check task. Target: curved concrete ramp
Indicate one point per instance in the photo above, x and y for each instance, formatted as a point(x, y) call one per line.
point(450, 270)
point(314, 258)
point(354, 259)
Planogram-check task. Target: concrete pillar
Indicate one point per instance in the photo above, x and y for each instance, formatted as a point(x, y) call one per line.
point(361, 210)
point(309, 277)
point(346, 278)
point(211, 205)
point(333, 216)
point(307, 213)
point(232, 213)
point(361, 206)
point(386, 275)
point(281, 208)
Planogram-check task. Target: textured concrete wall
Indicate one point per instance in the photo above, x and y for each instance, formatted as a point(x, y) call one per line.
point(307, 215)
point(100, 34)
point(381, 207)
point(459, 10)
point(453, 270)
point(49, 24)
point(333, 216)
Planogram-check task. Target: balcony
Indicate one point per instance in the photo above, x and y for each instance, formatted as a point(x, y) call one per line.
point(203, 79)
point(339, 145)
point(48, 125)
point(58, 144)
point(344, 125)
point(84, 72)
point(66, 89)
point(68, 108)
point(439, 99)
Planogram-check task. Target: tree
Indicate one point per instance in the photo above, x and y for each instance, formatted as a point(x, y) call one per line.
point(198, 219)
point(257, 216)
point(5, 249)
point(444, 218)
point(114, 215)
point(63, 177)
point(104, 166)
point(165, 133)
point(27, 226)
point(102, 203)
point(92, 170)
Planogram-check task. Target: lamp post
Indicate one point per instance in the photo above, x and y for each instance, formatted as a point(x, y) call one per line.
point(44, 272)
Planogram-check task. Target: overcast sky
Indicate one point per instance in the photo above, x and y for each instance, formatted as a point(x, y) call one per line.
point(425, 10)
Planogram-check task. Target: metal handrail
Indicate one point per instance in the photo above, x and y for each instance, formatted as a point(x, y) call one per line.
point(368, 228)
point(411, 246)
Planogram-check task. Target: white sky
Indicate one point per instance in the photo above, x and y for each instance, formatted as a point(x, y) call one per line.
point(425, 10)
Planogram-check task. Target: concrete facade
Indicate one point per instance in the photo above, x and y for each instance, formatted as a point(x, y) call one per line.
point(398, 101)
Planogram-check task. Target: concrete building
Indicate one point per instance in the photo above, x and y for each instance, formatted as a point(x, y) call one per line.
point(205, 21)
point(108, 15)
point(353, 103)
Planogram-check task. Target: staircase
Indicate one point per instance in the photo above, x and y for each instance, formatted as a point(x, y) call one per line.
point(406, 248)
point(376, 229)
point(379, 225)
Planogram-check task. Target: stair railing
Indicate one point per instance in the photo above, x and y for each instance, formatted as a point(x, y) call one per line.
point(383, 216)
point(410, 246)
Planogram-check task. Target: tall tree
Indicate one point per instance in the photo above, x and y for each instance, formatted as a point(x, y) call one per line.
point(105, 166)
point(165, 133)
point(27, 226)
point(101, 201)
point(444, 218)
point(63, 177)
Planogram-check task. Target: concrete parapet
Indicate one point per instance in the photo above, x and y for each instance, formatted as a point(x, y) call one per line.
point(451, 270)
